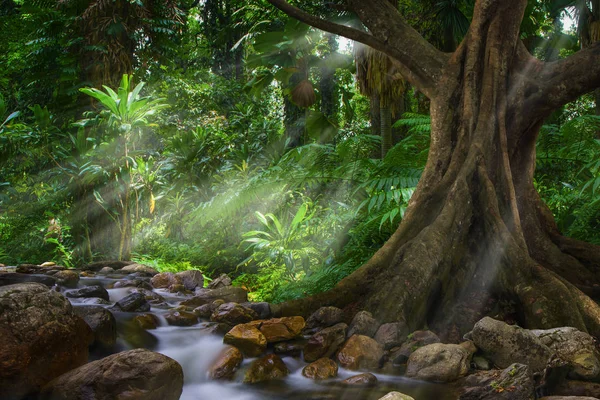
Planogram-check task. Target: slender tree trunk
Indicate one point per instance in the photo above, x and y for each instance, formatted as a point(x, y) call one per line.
point(294, 119)
point(375, 120)
point(386, 129)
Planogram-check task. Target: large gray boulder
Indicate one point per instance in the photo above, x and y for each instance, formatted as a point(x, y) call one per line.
point(40, 338)
point(133, 375)
point(439, 362)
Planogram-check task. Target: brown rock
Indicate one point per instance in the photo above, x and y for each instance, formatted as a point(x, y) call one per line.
point(143, 269)
point(323, 368)
point(233, 314)
point(68, 278)
point(363, 323)
point(268, 368)
point(164, 280)
point(227, 294)
point(147, 321)
point(226, 365)
point(191, 279)
point(291, 348)
point(101, 322)
point(366, 379)
point(181, 318)
point(415, 340)
point(325, 342)
point(324, 317)
point(280, 329)
point(360, 352)
point(247, 338)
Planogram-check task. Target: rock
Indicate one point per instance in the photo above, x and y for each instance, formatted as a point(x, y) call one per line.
point(88, 292)
point(137, 283)
point(106, 270)
point(567, 398)
point(233, 314)
point(268, 368)
point(135, 302)
point(396, 396)
point(414, 341)
point(179, 289)
point(38, 269)
point(135, 335)
point(505, 344)
point(164, 280)
point(324, 317)
point(94, 301)
point(226, 365)
point(133, 375)
point(481, 363)
point(205, 311)
point(323, 368)
point(578, 388)
point(41, 338)
point(392, 334)
point(114, 265)
point(438, 363)
point(514, 383)
point(48, 264)
point(101, 322)
point(366, 379)
point(222, 281)
point(363, 323)
point(262, 309)
point(291, 348)
point(147, 321)
point(87, 274)
point(325, 342)
point(12, 278)
point(248, 339)
point(576, 348)
point(360, 352)
point(68, 278)
point(181, 318)
point(280, 329)
point(144, 269)
point(229, 294)
point(151, 297)
point(191, 279)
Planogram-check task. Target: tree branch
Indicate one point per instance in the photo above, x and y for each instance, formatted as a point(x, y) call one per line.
point(421, 64)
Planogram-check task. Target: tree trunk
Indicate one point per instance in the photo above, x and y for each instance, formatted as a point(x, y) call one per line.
point(386, 129)
point(375, 120)
point(476, 224)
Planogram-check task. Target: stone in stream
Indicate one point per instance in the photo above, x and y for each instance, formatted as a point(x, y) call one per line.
point(12, 278)
point(114, 265)
point(233, 314)
point(262, 309)
point(164, 280)
point(147, 321)
point(133, 375)
point(181, 318)
point(439, 362)
point(291, 348)
point(248, 339)
point(392, 334)
point(94, 301)
point(366, 379)
point(268, 368)
point(360, 352)
point(191, 279)
point(226, 364)
point(155, 299)
point(139, 268)
point(67, 278)
point(101, 322)
point(396, 396)
point(106, 270)
point(324, 317)
point(280, 329)
point(514, 383)
point(222, 281)
point(325, 342)
point(40, 336)
point(363, 323)
point(206, 310)
point(135, 302)
point(138, 283)
point(323, 368)
point(135, 335)
point(38, 269)
point(567, 398)
point(229, 294)
point(89, 291)
point(414, 341)
point(577, 388)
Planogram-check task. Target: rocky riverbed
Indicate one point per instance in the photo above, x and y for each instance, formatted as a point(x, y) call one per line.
point(116, 330)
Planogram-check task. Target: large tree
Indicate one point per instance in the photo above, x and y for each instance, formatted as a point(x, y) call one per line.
point(476, 221)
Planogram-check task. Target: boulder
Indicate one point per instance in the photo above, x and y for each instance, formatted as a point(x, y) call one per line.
point(229, 294)
point(181, 318)
point(101, 322)
point(133, 375)
point(88, 292)
point(106, 270)
point(135, 302)
point(363, 323)
point(226, 364)
point(290, 348)
point(514, 383)
point(206, 310)
point(222, 281)
point(143, 269)
point(191, 279)
point(151, 297)
point(135, 335)
point(439, 363)
point(396, 396)
point(280, 329)
point(366, 379)
point(164, 280)
point(41, 338)
point(147, 321)
point(262, 309)
point(324, 317)
point(325, 342)
point(12, 278)
point(248, 339)
point(137, 283)
point(392, 334)
point(267, 368)
point(67, 278)
point(233, 314)
point(506, 344)
point(38, 269)
point(414, 341)
point(360, 352)
point(48, 264)
point(323, 368)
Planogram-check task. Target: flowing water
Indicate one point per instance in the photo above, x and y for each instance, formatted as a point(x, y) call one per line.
point(196, 349)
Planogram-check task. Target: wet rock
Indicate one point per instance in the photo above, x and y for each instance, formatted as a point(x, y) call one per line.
point(363, 323)
point(67, 278)
point(101, 322)
point(392, 334)
point(12, 278)
point(179, 289)
point(133, 375)
point(94, 301)
point(505, 344)
point(280, 329)
point(324, 317)
point(164, 280)
point(147, 321)
point(181, 318)
point(578, 388)
point(268, 368)
point(233, 314)
point(99, 265)
point(38, 269)
point(87, 274)
point(230, 294)
point(222, 281)
point(143, 269)
point(325, 342)
point(151, 297)
point(88, 292)
point(438, 363)
point(41, 338)
point(291, 348)
point(106, 270)
point(135, 302)
point(227, 364)
point(514, 383)
point(248, 339)
point(360, 352)
point(414, 341)
point(205, 311)
point(366, 379)
point(576, 348)
point(137, 283)
point(262, 309)
point(323, 368)
point(191, 279)
point(135, 335)
point(48, 264)
point(396, 396)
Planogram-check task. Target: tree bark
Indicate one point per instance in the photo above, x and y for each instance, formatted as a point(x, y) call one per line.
point(476, 224)
point(386, 129)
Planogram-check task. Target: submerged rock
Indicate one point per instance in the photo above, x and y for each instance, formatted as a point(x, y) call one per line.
point(439, 363)
point(147, 321)
point(323, 368)
point(227, 364)
point(133, 375)
point(360, 352)
point(268, 368)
